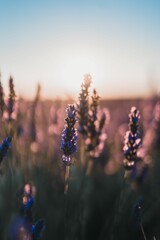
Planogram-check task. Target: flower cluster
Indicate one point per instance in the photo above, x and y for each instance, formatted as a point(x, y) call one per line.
point(90, 125)
point(132, 140)
point(94, 126)
point(151, 139)
point(83, 105)
point(27, 203)
point(11, 99)
point(69, 136)
point(4, 147)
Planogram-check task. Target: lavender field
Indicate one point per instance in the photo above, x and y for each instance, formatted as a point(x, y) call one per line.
point(79, 169)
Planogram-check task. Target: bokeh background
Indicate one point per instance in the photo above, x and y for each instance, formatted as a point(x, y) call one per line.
point(48, 47)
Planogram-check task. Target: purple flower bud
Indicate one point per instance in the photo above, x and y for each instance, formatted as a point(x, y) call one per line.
point(6, 144)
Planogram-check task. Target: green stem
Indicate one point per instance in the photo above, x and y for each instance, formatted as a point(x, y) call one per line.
point(66, 179)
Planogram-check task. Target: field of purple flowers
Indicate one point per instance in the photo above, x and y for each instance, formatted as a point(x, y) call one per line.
point(80, 169)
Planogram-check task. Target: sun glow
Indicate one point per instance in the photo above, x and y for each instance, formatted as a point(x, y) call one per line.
point(65, 75)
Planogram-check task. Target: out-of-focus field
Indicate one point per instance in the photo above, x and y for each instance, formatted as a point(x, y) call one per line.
point(103, 206)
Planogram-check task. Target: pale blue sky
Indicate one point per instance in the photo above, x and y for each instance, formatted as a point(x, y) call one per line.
point(57, 42)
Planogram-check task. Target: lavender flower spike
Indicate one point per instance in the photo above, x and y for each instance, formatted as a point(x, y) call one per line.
point(69, 136)
point(132, 140)
point(2, 102)
point(11, 100)
point(6, 144)
point(83, 105)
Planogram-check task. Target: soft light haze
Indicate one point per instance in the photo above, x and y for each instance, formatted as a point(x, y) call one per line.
point(55, 43)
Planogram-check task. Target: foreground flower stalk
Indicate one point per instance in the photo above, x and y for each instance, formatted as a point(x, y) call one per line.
point(69, 141)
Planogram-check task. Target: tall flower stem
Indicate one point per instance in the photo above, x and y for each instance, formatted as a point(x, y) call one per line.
point(68, 146)
point(69, 139)
point(143, 232)
point(66, 179)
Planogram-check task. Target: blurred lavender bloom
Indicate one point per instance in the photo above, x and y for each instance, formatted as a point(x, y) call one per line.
point(92, 132)
point(90, 125)
point(27, 203)
point(151, 139)
point(132, 141)
point(37, 229)
point(96, 122)
point(69, 135)
point(157, 126)
point(134, 117)
point(83, 105)
point(11, 100)
point(4, 147)
point(19, 229)
point(2, 102)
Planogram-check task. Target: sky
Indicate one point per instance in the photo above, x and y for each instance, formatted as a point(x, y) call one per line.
point(56, 42)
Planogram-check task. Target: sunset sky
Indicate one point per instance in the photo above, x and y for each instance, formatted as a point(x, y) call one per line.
point(55, 43)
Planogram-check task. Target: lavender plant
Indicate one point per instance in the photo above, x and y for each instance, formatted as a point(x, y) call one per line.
point(32, 230)
point(92, 134)
point(69, 139)
point(132, 140)
point(11, 99)
point(95, 126)
point(8, 108)
point(95, 141)
point(151, 141)
point(27, 204)
point(132, 163)
point(2, 102)
point(96, 195)
point(157, 125)
point(90, 126)
point(4, 147)
point(83, 106)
